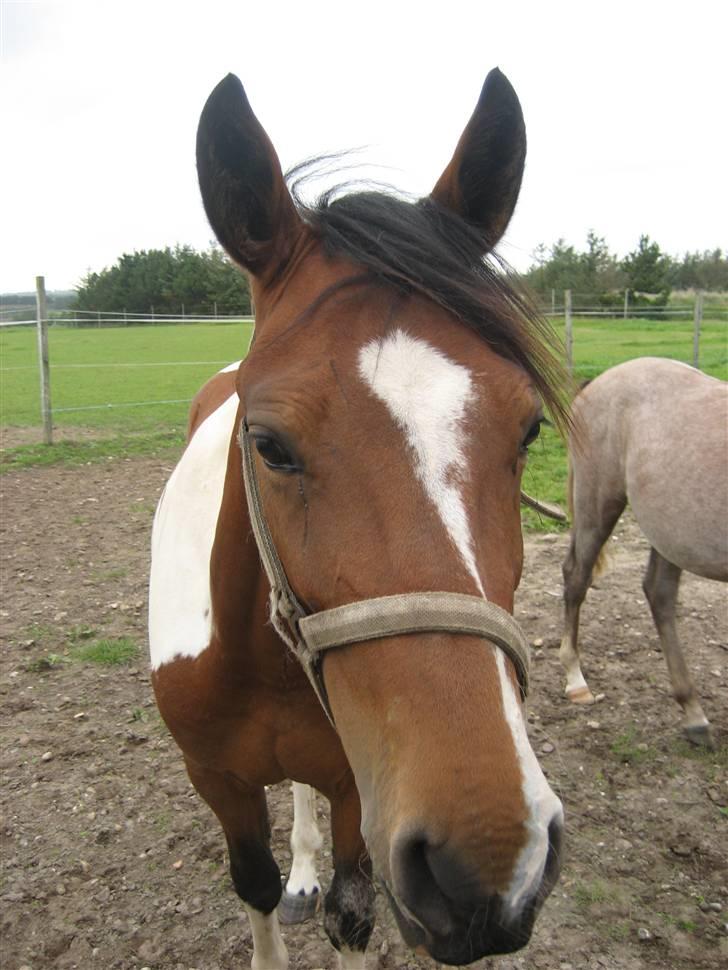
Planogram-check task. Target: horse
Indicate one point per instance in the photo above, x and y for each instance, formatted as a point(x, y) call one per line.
point(653, 433)
point(335, 556)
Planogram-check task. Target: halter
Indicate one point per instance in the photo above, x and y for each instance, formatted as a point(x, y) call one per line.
point(309, 634)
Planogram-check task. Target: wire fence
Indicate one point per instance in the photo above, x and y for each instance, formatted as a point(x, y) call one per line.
point(122, 318)
point(117, 318)
point(134, 372)
point(123, 373)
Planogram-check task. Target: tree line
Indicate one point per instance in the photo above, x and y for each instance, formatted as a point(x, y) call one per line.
point(180, 279)
point(600, 278)
point(171, 280)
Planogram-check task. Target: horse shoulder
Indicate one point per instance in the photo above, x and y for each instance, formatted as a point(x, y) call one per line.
point(211, 396)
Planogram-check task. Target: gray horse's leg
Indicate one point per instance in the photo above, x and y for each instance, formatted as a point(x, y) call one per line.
point(661, 585)
point(591, 527)
point(577, 571)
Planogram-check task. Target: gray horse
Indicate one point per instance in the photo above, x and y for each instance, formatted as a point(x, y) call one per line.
point(654, 433)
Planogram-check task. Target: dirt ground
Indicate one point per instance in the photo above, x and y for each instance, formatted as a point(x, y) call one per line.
point(111, 861)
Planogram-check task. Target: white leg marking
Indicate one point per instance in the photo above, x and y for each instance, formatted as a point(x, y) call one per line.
point(428, 396)
point(352, 959)
point(305, 842)
point(180, 618)
point(541, 803)
point(575, 682)
point(269, 950)
point(694, 714)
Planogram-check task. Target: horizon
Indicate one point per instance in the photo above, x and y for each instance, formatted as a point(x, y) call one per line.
point(677, 257)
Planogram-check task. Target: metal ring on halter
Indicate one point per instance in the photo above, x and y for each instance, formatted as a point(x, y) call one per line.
point(310, 634)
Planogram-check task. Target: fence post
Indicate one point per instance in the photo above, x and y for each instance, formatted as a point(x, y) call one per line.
point(568, 332)
point(697, 321)
point(626, 303)
point(41, 312)
point(553, 301)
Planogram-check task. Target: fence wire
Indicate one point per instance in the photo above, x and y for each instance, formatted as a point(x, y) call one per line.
point(92, 319)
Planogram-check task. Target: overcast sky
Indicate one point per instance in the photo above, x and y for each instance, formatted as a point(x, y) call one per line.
point(625, 107)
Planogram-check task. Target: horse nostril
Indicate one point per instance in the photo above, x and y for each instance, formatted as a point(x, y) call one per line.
point(415, 885)
point(553, 856)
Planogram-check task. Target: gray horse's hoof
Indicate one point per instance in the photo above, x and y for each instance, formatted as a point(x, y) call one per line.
point(580, 695)
point(298, 908)
point(700, 736)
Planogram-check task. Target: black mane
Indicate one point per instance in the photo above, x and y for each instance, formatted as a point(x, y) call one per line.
point(424, 248)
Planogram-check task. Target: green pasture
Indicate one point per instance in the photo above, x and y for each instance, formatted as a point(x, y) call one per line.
point(116, 379)
point(132, 385)
point(600, 343)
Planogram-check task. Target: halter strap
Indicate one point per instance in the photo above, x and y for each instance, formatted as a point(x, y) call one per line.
point(310, 634)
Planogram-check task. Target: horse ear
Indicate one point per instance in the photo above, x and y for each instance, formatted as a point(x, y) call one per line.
point(483, 179)
point(242, 185)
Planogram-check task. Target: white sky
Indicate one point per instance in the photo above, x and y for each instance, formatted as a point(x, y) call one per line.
point(625, 107)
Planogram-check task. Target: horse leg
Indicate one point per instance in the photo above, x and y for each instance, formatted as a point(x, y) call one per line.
point(661, 585)
point(349, 905)
point(243, 814)
point(588, 535)
point(302, 895)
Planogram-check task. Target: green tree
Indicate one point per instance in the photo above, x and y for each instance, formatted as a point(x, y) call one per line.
point(167, 280)
point(590, 275)
point(701, 271)
point(647, 268)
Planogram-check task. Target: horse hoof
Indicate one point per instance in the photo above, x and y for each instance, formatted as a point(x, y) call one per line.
point(700, 736)
point(580, 695)
point(299, 907)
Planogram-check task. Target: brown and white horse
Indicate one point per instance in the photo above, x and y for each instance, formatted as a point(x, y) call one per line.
point(654, 433)
point(386, 404)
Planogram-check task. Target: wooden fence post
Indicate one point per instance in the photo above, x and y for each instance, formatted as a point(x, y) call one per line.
point(697, 321)
point(626, 303)
point(568, 332)
point(41, 312)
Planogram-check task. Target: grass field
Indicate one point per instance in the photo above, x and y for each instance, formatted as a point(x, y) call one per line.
point(138, 381)
point(115, 378)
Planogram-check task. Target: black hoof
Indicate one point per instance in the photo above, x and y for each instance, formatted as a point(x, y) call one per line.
point(298, 908)
point(700, 736)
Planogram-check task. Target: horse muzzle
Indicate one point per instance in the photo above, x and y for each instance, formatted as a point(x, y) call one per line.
point(440, 906)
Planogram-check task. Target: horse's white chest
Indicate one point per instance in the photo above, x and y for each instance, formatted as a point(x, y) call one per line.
point(180, 619)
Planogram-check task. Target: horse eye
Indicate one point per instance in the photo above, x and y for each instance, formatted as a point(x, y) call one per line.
point(533, 432)
point(274, 454)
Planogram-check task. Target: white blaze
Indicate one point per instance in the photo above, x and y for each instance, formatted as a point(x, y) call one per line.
point(542, 804)
point(428, 396)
